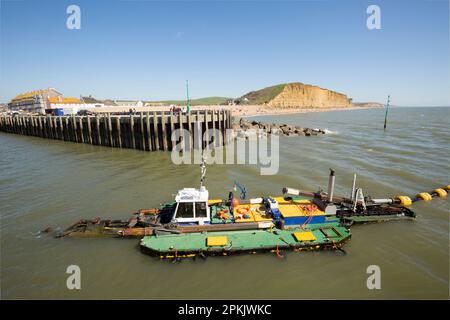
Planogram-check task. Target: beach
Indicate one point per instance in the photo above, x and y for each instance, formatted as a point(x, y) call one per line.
point(260, 110)
point(237, 110)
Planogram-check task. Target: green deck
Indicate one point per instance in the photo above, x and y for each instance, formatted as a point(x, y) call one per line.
point(248, 240)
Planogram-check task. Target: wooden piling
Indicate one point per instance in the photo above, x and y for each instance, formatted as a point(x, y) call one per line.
point(61, 129)
point(207, 129)
point(181, 127)
point(172, 129)
point(155, 132)
point(224, 125)
point(55, 127)
point(105, 131)
point(213, 120)
point(110, 132)
point(220, 128)
point(191, 130)
point(89, 130)
point(18, 126)
point(97, 131)
point(141, 131)
point(44, 125)
point(147, 128)
point(23, 126)
point(75, 129)
point(163, 131)
point(133, 142)
point(81, 130)
point(118, 135)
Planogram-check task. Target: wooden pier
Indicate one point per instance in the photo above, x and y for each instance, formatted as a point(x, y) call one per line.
point(150, 131)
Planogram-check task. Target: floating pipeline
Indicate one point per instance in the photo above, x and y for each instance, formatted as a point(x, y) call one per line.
point(195, 226)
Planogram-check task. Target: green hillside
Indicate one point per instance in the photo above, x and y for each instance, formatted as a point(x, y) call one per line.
point(264, 95)
point(196, 102)
point(91, 99)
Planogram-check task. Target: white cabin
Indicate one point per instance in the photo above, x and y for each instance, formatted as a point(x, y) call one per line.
point(192, 206)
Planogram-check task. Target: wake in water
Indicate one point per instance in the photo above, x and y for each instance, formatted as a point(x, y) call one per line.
point(326, 131)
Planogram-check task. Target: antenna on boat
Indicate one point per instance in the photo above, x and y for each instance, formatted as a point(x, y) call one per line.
point(203, 171)
point(387, 109)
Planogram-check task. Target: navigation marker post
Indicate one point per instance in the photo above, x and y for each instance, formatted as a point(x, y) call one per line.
point(387, 109)
point(188, 104)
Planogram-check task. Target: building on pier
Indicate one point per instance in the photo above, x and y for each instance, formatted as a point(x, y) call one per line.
point(35, 101)
point(40, 101)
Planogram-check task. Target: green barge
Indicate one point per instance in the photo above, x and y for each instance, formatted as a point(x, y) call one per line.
point(329, 236)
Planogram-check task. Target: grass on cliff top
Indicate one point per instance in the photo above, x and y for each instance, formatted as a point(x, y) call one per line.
point(264, 95)
point(196, 102)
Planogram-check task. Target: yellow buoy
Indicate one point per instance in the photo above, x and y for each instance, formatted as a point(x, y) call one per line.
point(440, 192)
point(446, 187)
point(404, 200)
point(424, 196)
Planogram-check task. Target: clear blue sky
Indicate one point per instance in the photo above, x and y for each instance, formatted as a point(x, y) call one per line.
point(147, 49)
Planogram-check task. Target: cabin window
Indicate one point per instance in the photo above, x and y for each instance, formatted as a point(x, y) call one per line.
point(200, 210)
point(185, 210)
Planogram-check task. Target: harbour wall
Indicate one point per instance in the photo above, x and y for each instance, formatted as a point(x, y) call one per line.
point(150, 131)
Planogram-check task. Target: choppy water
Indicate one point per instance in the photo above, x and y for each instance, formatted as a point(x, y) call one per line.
point(52, 183)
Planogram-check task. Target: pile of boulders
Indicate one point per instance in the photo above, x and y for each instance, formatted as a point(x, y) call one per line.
point(273, 128)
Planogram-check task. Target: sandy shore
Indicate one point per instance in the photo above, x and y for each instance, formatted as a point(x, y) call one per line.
point(237, 110)
point(248, 111)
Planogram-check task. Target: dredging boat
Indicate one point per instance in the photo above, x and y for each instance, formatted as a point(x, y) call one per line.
point(196, 226)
